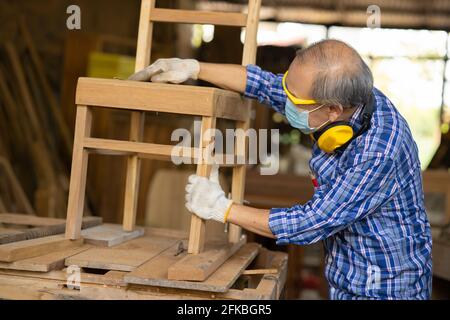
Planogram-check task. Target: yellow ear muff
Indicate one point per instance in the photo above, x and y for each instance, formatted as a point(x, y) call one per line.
point(335, 137)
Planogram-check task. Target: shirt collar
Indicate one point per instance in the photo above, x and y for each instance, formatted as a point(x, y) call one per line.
point(355, 119)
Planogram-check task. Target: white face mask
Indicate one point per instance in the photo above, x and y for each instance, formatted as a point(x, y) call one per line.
point(300, 119)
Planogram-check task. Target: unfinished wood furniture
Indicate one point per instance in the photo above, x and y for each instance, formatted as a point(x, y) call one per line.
point(209, 103)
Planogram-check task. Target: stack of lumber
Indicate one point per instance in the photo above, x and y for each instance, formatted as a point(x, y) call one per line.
point(149, 267)
point(35, 141)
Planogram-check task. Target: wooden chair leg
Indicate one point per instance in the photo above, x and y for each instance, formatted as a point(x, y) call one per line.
point(133, 174)
point(238, 180)
point(78, 173)
point(198, 226)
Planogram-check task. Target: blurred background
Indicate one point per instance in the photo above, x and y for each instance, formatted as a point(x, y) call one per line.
point(41, 59)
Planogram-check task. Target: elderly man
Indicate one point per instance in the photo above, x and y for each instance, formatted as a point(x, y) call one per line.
point(368, 205)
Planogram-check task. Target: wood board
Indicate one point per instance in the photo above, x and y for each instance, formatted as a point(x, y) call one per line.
point(44, 263)
point(35, 247)
point(198, 267)
point(125, 257)
point(108, 235)
point(155, 271)
point(43, 226)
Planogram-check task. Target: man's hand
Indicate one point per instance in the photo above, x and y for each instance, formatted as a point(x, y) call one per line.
point(172, 70)
point(205, 197)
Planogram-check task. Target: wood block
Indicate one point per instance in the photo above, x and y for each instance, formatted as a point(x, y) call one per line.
point(44, 263)
point(198, 267)
point(35, 247)
point(155, 271)
point(108, 235)
point(126, 257)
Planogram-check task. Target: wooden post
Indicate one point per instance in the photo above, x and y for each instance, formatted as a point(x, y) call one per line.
point(137, 118)
point(238, 180)
point(248, 57)
point(78, 173)
point(198, 226)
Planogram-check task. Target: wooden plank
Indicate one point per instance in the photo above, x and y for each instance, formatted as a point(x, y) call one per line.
point(155, 271)
point(126, 257)
point(145, 33)
point(111, 278)
point(133, 174)
point(46, 262)
point(238, 179)
point(198, 267)
point(271, 285)
point(34, 124)
point(141, 149)
point(8, 231)
point(34, 285)
point(20, 195)
point(108, 235)
point(145, 96)
point(46, 230)
point(152, 151)
point(259, 272)
point(28, 220)
point(143, 54)
point(251, 30)
point(232, 19)
point(198, 226)
point(77, 188)
point(53, 103)
point(35, 247)
point(248, 57)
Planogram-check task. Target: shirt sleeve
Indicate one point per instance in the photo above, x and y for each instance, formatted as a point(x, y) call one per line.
point(266, 87)
point(350, 197)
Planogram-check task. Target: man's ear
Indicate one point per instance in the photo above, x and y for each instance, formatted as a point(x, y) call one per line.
point(335, 111)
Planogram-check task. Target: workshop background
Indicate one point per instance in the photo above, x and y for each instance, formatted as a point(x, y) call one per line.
point(41, 60)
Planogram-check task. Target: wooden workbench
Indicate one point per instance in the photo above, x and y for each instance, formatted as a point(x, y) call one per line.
point(263, 278)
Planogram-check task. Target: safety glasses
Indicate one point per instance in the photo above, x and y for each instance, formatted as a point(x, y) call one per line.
point(294, 99)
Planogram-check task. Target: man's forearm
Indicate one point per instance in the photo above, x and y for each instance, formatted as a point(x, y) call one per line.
point(227, 76)
point(251, 219)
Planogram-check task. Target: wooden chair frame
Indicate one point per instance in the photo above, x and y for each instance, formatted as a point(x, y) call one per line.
point(138, 97)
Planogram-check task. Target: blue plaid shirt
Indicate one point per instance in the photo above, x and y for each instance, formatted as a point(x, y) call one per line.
point(368, 208)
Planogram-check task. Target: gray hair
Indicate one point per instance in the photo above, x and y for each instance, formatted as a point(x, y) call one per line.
point(342, 77)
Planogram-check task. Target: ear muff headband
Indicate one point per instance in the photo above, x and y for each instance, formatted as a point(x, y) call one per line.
point(338, 135)
point(335, 137)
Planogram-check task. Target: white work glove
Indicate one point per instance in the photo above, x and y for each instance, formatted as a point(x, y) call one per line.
point(205, 197)
point(173, 70)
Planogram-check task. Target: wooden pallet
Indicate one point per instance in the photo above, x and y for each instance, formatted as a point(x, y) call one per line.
point(112, 284)
point(156, 271)
point(138, 269)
